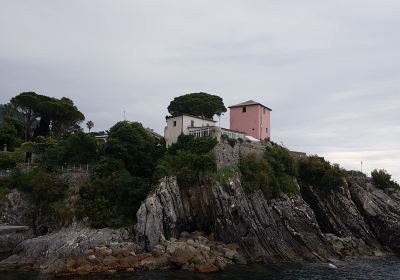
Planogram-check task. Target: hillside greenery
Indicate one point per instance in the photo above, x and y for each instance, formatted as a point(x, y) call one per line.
point(123, 177)
point(321, 174)
point(383, 180)
point(47, 192)
point(274, 174)
point(190, 159)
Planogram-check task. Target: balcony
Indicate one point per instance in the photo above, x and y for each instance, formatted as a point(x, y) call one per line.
point(215, 131)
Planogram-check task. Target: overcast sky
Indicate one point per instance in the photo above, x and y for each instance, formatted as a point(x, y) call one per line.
point(330, 70)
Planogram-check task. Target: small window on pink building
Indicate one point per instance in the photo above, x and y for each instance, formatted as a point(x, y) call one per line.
point(266, 130)
point(244, 109)
point(264, 110)
point(174, 123)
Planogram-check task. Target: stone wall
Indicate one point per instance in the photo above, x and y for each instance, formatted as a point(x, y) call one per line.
point(227, 155)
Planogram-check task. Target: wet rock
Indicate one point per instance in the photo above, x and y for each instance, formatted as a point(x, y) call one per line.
point(206, 268)
point(380, 210)
point(182, 255)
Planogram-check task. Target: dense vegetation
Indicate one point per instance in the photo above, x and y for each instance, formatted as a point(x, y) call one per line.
point(190, 160)
point(321, 174)
point(123, 176)
point(383, 180)
point(47, 192)
point(197, 104)
point(274, 174)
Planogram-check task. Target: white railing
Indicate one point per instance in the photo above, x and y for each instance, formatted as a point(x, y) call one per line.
point(205, 131)
point(202, 131)
point(233, 134)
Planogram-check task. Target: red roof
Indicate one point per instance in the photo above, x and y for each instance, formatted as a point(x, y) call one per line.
point(249, 103)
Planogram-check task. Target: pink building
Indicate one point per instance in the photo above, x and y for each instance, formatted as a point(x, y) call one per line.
point(252, 118)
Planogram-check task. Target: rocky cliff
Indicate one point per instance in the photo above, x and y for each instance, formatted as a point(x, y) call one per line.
point(275, 231)
point(359, 219)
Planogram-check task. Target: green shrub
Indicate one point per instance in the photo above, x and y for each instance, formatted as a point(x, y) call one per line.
point(274, 174)
point(113, 197)
point(288, 184)
point(46, 191)
point(199, 145)
point(80, 148)
point(383, 180)
point(257, 174)
point(3, 191)
point(232, 142)
point(225, 173)
point(7, 162)
point(189, 168)
point(5, 186)
point(123, 176)
point(280, 160)
point(319, 173)
point(190, 159)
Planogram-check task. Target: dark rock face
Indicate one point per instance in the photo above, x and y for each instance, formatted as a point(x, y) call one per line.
point(48, 253)
point(277, 231)
point(15, 209)
point(380, 210)
point(9, 241)
point(358, 219)
point(337, 214)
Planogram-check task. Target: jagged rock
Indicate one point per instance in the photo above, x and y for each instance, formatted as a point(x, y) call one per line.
point(65, 243)
point(380, 210)
point(15, 209)
point(280, 230)
point(9, 241)
point(183, 255)
point(337, 214)
point(206, 268)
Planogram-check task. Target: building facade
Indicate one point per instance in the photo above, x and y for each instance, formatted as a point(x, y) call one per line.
point(182, 124)
point(252, 118)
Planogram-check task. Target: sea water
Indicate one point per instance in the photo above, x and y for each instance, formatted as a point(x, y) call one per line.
point(357, 268)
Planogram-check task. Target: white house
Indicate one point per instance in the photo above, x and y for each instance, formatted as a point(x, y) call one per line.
point(181, 124)
point(196, 126)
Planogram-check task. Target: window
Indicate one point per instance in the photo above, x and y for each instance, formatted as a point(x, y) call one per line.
point(264, 110)
point(192, 123)
point(266, 130)
point(174, 123)
point(244, 109)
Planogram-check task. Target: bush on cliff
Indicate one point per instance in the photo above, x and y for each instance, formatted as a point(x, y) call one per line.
point(321, 174)
point(190, 159)
point(7, 162)
point(112, 198)
point(257, 174)
point(274, 174)
point(284, 168)
point(123, 177)
point(46, 191)
point(383, 180)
